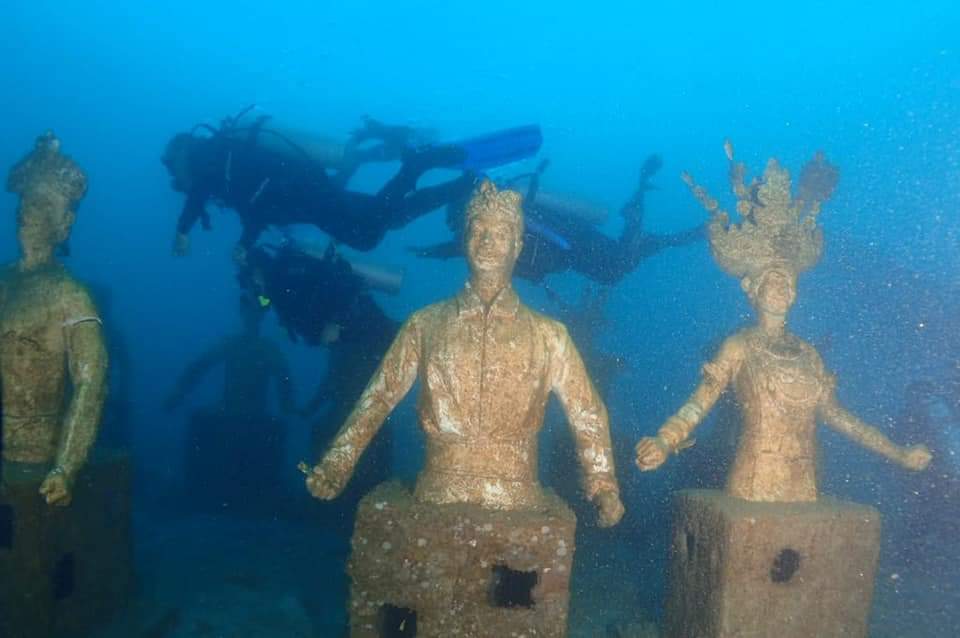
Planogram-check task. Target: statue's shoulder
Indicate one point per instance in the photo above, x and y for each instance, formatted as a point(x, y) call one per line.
point(434, 312)
point(736, 344)
point(546, 324)
point(74, 294)
point(809, 350)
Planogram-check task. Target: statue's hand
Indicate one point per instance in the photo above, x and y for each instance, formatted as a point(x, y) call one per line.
point(916, 457)
point(609, 507)
point(652, 452)
point(320, 483)
point(55, 489)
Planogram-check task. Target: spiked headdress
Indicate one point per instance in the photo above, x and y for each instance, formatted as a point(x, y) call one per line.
point(774, 228)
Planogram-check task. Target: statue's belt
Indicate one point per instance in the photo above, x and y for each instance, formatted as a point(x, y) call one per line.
point(514, 460)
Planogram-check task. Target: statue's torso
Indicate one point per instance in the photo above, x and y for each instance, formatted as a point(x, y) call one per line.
point(32, 361)
point(779, 385)
point(484, 388)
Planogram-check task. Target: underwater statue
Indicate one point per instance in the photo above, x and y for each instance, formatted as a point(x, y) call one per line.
point(487, 365)
point(234, 449)
point(53, 361)
point(781, 383)
point(479, 537)
point(769, 556)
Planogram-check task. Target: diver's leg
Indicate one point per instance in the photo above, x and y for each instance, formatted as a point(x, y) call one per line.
point(415, 164)
point(424, 200)
point(358, 220)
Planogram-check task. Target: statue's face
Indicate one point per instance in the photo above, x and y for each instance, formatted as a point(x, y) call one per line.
point(493, 244)
point(776, 291)
point(42, 225)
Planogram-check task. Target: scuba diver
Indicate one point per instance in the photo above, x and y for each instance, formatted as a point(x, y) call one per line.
point(271, 179)
point(324, 300)
point(320, 299)
point(556, 241)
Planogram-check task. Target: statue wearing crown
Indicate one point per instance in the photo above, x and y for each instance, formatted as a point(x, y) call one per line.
point(770, 556)
point(480, 548)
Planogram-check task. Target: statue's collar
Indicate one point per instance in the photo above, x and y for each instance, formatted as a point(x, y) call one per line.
point(504, 305)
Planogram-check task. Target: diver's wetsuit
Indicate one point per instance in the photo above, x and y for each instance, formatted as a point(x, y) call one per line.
point(268, 188)
point(554, 243)
point(310, 294)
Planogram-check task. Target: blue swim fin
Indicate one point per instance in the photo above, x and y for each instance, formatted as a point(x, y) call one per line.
point(499, 148)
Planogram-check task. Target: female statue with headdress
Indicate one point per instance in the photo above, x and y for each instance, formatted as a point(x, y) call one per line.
point(780, 381)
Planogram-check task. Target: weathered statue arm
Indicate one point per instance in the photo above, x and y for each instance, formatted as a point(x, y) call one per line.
point(389, 384)
point(673, 436)
point(194, 373)
point(915, 457)
point(590, 427)
point(87, 366)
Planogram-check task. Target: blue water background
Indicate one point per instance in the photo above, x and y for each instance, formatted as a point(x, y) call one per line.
point(875, 86)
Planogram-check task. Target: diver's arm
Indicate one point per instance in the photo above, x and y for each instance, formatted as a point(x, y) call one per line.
point(672, 436)
point(389, 384)
point(915, 457)
point(193, 210)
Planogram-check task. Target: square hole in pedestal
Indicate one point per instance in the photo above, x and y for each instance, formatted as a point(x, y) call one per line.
point(6, 526)
point(64, 577)
point(512, 587)
point(397, 622)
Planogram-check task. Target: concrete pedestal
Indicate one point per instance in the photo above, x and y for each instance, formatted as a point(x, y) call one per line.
point(63, 570)
point(458, 570)
point(756, 570)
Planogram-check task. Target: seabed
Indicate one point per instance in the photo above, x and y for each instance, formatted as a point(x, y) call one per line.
point(211, 576)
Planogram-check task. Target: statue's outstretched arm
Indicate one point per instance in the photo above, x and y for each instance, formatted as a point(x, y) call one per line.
point(915, 457)
point(389, 384)
point(674, 435)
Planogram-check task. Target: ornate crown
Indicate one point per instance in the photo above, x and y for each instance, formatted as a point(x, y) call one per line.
point(45, 172)
point(487, 200)
point(774, 228)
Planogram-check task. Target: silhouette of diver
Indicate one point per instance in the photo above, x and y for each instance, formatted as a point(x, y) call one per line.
point(323, 302)
point(271, 180)
point(555, 243)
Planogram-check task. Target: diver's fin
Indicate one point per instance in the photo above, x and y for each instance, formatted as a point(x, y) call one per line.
point(477, 154)
point(502, 147)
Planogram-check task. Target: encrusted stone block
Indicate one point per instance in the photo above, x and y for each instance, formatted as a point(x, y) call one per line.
point(439, 571)
point(755, 570)
point(63, 570)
